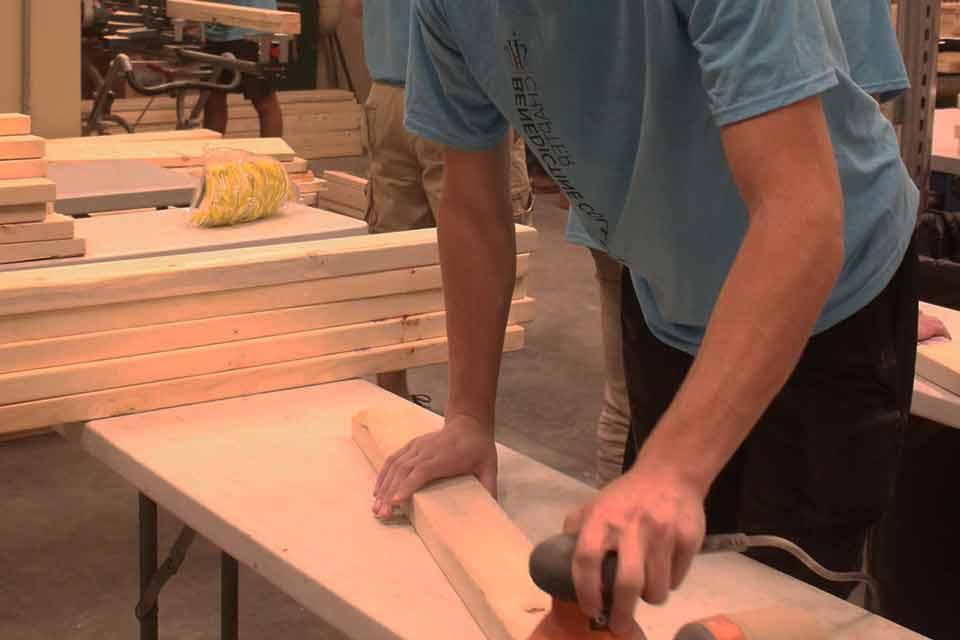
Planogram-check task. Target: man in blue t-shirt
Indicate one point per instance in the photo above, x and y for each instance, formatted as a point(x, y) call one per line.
point(723, 152)
point(259, 91)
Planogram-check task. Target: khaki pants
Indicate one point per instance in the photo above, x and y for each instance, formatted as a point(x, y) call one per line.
point(406, 170)
point(613, 425)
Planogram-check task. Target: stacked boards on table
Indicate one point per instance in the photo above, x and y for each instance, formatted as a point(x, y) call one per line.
point(29, 227)
point(321, 123)
point(84, 342)
point(938, 367)
point(343, 193)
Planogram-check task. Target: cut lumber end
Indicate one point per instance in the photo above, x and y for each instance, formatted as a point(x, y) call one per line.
point(14, 124)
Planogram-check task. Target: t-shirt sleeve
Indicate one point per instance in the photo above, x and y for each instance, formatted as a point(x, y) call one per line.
point(758, 56)
point(445, 103)
point(869, 38)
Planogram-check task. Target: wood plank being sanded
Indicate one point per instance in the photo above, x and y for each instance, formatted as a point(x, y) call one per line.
point(482, 552)
point(266, 20)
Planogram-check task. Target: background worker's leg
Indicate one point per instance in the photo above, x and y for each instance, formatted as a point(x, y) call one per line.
point(215, 112)
point(271, 117)
point(613, 425)
point(521, 194)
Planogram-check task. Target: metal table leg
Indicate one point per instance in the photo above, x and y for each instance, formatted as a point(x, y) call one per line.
point(148, 563)
point(229, 597)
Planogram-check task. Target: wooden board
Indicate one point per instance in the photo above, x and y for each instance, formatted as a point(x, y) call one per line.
point(297, 165)
point(164, 153)
point(24, 213)
point(286, 22)
point(31, 168)
point(21, 147)
point(323, 203)
point(27, 191)
point(933, 402)
point(84, 377)
point(347, 196)
point(53, 227)
point(112, 185)
point(326, 116)
point(345, 178)
point(170, 276)
point(28, 251)
point(14, 124)
point(229, 384)
point(145, 136)
point(482, 553)
point(940, 362)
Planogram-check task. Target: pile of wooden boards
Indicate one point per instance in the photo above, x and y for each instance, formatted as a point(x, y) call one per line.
point(318, 124)
point(264, 20)
point(91, 341)
point(343, 193)
point(29, 227)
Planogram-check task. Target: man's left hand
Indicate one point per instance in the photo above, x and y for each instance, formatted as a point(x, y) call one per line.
point(654, 519)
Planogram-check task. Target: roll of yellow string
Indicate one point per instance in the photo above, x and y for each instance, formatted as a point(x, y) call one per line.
point(239, 187)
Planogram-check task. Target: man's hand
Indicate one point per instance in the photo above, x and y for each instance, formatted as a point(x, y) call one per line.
point(654, 519)
point(462, 447)
point(929, 327)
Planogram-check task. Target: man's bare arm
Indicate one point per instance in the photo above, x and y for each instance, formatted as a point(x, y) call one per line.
point(354, 7)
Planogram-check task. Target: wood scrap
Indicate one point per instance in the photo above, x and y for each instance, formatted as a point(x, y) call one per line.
point(45, 250)
point(30, 168)
point(483, 554)
point(264, 20)
point(27, 191)
point(17, 214)
point(53, 227)
point(229, 384)
point(24, 147)
point(169, 276)
point(14, 124)
point(164, 153)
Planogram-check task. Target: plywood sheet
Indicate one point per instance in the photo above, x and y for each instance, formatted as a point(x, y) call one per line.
point(21, 147)
point(53, 227)
point(287, 22)
point(32, 168)
point(14, 124)
point(27, 251)
point(27, 191)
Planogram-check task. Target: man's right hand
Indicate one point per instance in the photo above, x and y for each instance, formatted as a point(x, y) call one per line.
point(464, 446)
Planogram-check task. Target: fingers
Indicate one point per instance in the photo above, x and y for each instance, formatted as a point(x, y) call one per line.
point(592, 546)
point(658, 568)
point(574, 520)
point(686, 548)
point(630, 581)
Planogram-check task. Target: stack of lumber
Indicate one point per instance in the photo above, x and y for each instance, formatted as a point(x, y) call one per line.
point(29, 228)
point(319, 124)
point(92, 341)
point(264, 20)
point(343, 193)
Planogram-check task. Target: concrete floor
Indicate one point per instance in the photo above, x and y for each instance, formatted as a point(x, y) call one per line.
point(68, 546)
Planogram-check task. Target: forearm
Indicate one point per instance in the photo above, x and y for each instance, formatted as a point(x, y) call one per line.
point(354, 7)
point(765, 314)
point(478, 259)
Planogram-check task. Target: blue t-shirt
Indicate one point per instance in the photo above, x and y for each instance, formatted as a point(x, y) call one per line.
point(224, 33)
point(623, 101)
point(873, 54)
point(386, 39)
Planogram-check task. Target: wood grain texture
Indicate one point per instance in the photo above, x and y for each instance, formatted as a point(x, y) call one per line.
point(37, 384)
point(24, 213)
point(53, 227)
point(287, 22)
point(169, 276)
point(21, 147)
point(14, 169)
point(27, 191)
point(45, 250)
point(229, 384)
point(14, 124)
point(164, 153)
point(483, 554)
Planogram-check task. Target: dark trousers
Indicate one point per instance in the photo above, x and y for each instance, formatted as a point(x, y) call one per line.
point(819, 467)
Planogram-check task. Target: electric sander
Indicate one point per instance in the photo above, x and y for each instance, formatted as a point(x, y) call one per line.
point(551, 570)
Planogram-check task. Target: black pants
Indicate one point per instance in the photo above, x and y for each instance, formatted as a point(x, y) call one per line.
point(820, 466)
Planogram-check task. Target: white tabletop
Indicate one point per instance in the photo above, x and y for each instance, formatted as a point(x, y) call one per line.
point(276, 481)
point(140, 235)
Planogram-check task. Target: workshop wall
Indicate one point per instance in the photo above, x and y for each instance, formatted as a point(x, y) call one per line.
point(11, 56)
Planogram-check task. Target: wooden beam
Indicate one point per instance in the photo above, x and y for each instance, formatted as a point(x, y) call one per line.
point(46, 250)
point(85, 285)
point(265, 20)
point(54, 227)
point(142, 136)
point(14, 124)
point(229, 384)
point(164, 153)
point(483, 554)
point(15, 169)
point(51, 382)
point(27, 191)
point(23, 147)
point(24, 213)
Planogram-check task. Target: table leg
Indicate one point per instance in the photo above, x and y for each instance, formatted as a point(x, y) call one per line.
point(148, 563)
point(229, 597)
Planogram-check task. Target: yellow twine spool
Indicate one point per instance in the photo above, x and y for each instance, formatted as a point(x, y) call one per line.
point(236, 191)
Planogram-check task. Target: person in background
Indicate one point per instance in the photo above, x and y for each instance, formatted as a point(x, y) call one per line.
point(406, 170)
point(259, 91)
